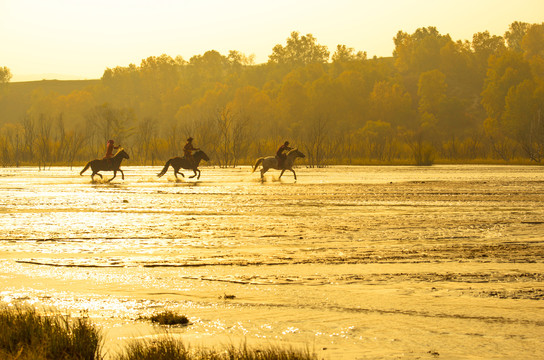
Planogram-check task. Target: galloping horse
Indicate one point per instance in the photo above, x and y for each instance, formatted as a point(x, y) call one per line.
point(182, 162)
point(270, 162)
point(107, 165)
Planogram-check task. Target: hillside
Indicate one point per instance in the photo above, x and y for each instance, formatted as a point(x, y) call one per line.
point(16, 98)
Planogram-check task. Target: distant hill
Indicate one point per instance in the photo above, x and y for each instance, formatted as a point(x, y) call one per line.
point(15, 96)
point(48, 76)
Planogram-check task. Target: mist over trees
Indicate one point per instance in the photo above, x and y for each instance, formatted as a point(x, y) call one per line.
point(435, 100)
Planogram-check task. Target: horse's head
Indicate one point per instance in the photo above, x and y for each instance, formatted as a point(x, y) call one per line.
point(201, 155)
point(122, 153)
point(296, 153)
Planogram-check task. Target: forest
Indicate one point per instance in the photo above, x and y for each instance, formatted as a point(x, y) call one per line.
point(435, 100)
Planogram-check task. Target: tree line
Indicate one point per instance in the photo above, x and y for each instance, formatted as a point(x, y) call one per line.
point(434, 100)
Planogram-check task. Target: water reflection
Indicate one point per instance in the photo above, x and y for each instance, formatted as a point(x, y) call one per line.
point(347, 257)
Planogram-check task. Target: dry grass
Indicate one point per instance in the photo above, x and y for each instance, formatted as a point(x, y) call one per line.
point(167, 348)
point(26, 334)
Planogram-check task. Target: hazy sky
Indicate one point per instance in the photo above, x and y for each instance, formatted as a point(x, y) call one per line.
point(84, 37)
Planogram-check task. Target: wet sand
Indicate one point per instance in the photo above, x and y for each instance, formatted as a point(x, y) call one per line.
point(352, 262)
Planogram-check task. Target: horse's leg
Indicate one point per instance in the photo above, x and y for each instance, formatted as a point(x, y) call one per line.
point(114, 175)
point(194, 170)
point(282, 171)
point(198, 177)
point(176, 171)
point(294, 174)
point(263, 170)
point(122, 174)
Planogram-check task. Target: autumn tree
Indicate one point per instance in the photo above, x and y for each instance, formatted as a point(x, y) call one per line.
point(431, 92)
point(533, 49)
point(5, 75)
point(515, 34)
point(484, 45)
point(523, 118)
point(347, 54)
point(299, 51)
point(420, 51)
point(506, 70)
point(207, 69)
point(505, 73)
point(391, 103)
point(292, 105)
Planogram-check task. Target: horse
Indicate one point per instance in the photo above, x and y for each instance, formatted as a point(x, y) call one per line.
point(271, 162)
point(111, 164)
point(182, 162)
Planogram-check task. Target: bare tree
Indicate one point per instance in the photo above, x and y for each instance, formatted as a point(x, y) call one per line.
point(61, 144)
point(106, 122)
point(173, 139)
point(29, 134)
point(314, 143)
point(4, 150)
point(240, 135)
point(146, 132)
point(224, 122)
point(74, 144)
point(44, 141)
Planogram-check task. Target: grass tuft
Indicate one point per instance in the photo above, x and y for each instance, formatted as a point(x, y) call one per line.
point(168, 317)
point(26, 334)
point(162, 349)
point(167, 348)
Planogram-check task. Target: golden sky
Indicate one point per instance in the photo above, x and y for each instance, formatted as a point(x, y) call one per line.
point(82, 38)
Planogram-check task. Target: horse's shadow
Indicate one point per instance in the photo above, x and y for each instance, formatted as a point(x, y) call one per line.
point(274, 180)
point(105, 182)
point(181, 182)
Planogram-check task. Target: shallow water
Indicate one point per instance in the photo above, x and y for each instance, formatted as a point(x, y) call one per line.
point(351, 262)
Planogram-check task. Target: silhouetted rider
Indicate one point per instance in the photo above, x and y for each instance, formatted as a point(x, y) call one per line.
point(188, 149)
point(281, 155)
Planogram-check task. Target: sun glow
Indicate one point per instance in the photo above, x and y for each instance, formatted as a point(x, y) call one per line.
point(82, 39)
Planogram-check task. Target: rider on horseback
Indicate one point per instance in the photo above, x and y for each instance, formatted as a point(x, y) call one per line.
point(188, 149)
point(109, 149)
point(280, 155)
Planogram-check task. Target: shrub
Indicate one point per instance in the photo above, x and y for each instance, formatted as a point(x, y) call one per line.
point(169, 318)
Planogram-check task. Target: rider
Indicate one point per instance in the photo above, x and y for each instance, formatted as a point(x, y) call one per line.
point(280, 155)
point(109, 149)
point(188, 149)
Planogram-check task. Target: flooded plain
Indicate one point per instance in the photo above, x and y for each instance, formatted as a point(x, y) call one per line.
point(349, 262)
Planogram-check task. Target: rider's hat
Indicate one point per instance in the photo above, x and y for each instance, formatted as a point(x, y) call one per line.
point(190, 139)
point(286, 142)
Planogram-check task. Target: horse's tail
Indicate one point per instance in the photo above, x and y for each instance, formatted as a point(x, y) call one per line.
point(165, 168)
point(85, 168)
point(257, 163)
